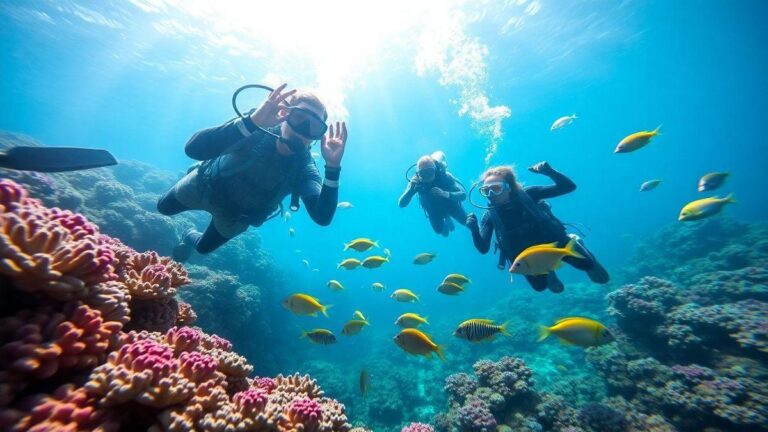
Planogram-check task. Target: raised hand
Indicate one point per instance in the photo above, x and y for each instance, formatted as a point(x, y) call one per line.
point(333, 143)
point(272, 112)
point(541, 168)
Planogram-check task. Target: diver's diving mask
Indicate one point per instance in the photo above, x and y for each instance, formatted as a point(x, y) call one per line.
point(306, 123)
point(493, 189)
point(427, 173)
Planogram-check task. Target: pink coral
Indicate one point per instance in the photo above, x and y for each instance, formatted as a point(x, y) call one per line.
point(306, 412)
point(68, 409)
point(265, 383)
point(183, 338)
point(50, 251)
point(417, 427)
point(251, 401)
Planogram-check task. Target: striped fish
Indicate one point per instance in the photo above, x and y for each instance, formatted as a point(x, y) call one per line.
point(477, 330)
point(320, 336)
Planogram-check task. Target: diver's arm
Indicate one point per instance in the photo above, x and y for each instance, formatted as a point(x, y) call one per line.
point(481, 235)
point(321, 207)
point(456, 192)
point(410, 191)
point(212, 142)
point(562, 186)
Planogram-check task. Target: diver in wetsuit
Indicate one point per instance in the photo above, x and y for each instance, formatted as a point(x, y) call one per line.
point(248, 170)
point(440, 194)
point(520, 218)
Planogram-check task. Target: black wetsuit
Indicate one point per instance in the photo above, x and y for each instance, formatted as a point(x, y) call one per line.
point(247, 177)
point(439, 209)
point(526, 221)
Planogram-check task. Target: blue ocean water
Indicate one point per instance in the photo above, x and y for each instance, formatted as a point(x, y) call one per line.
point(140, 77)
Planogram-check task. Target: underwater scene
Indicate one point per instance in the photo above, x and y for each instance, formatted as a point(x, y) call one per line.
point(453, 216)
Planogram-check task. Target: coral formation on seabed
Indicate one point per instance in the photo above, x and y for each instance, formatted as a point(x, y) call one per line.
point(68, 361)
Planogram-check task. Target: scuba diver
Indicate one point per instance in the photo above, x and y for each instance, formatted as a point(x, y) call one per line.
point(521, 218)
point(440, 193)
point(250, 164)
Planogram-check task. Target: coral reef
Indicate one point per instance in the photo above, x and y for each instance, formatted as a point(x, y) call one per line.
point(68, 360)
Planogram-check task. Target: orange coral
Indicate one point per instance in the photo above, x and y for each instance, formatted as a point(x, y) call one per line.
point(68, 409)
point(185, 316)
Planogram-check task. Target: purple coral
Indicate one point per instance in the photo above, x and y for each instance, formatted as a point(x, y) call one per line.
point(602, 418)
point(459, 386)
point(475, 416)
point(510, 377)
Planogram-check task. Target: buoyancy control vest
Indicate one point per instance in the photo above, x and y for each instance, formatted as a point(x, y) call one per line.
point(522, 223)
point(251, 180)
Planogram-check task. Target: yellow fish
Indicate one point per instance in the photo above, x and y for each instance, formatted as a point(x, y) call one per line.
point(542, 259)
point(636, 141)
point(458, 279)
point(410, 320)
point(335, 285)
point(450, 288)
point(413, 341)
point(477, 330)
point(303, 304)
point(361, 244)
point(349, 264)
point(374, 261)
point(320, 336)
point(580, 331)
point(404, 295)
point(358, 315)
point(423, 258)
point(712, 181)
point(704, 208)
point(353, 327)
point(377, 286)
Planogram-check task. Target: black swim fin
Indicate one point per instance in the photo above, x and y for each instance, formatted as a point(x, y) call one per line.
point(55, 159)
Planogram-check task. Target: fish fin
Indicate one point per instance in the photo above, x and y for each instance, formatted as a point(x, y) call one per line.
point(565, 342)
point(304, 334)
point(325, 310)
point(569, 249)
point(425, 321)
point(346, 246)
point(503, 329)
point(376, 243)
point(574, 116)
point(544, 333)
point(657, 131)
point(729, 198)
point(440, 353)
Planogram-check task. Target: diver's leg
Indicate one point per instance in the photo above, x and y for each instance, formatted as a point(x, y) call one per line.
point(210, 240)
point(437, 222)
point(554, 283)
point(459, 214)
point(169, 205)
point(539, 283)
point(596, 272)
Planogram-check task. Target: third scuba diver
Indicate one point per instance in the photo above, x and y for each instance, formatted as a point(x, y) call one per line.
point(520, 218)
point(248, 170)
point(440, 193)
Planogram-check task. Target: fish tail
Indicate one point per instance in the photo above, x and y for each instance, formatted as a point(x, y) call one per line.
point(543, 333)
point(440, 353)
point(503, 329)
point(569, 249)
point(574, 116)
point(417, 298)
point(304, 334)
point(346, 246)
point(657, 131)
point(376, 243)
point(325, 310)
point(729, 198)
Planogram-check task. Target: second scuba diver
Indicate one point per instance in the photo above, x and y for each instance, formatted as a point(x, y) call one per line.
point(250, 164)
point(521, 218)
point(440, 193)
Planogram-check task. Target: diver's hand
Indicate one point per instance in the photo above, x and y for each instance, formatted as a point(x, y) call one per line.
point(541, 168)
point(332, 145)
point(272, 112)
point(471, 220)
point(436, 191)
